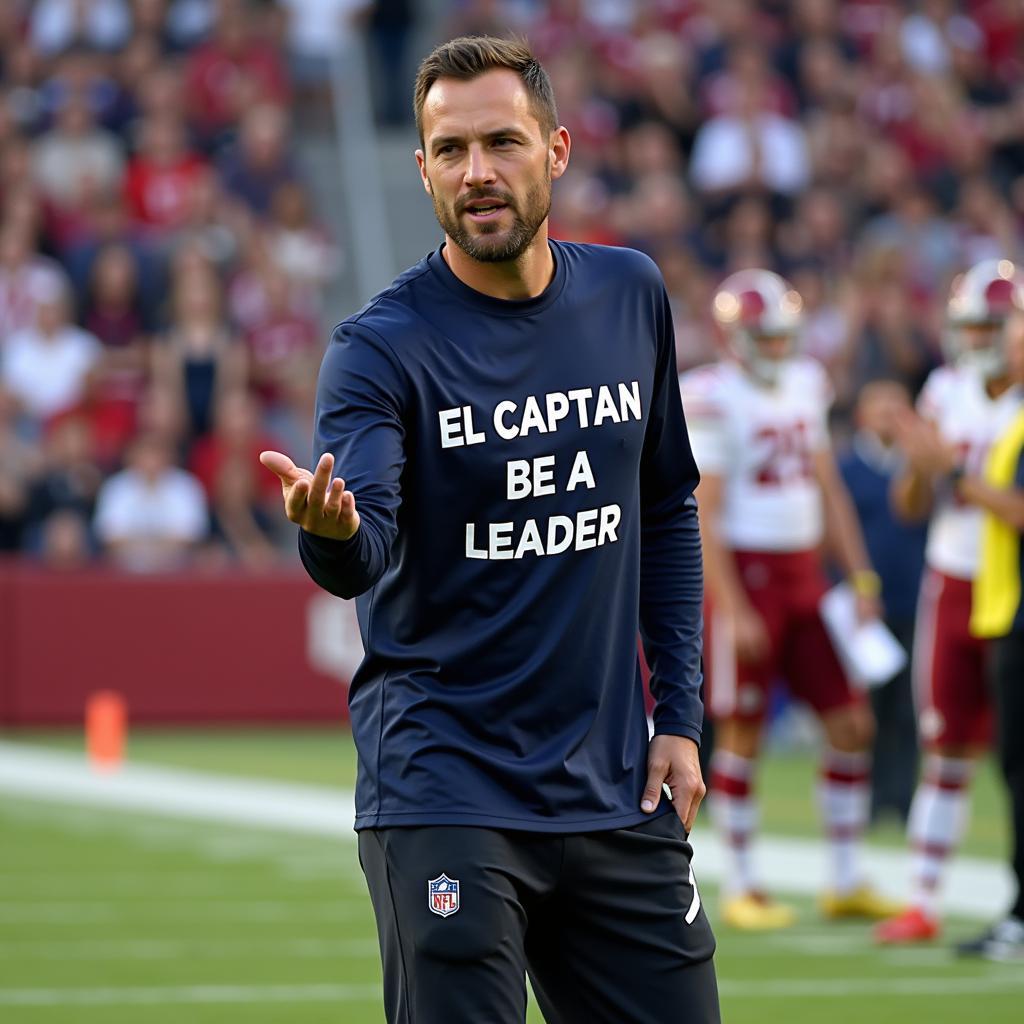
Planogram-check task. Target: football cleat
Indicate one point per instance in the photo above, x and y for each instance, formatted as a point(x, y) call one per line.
point(757, 912)
point(913, 925)
point(1003, 942)
point(860, 902)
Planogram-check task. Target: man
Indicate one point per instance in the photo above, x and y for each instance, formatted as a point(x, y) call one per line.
point(769, 489)
point(997, 613)
point(517, 497)
point(965, 405)
point(868, 468)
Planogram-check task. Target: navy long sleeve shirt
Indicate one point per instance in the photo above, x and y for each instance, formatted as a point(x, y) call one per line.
point(525, 485)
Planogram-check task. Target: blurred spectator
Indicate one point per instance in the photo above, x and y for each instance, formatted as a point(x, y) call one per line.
point(749, 147)
point(828, 321)
point(931, 32)
point(245, 500)
point(114, 315)
point(162, 173)
point(77, 160)
point(289, 420)
point(23, 276)
point(215, 224)
point(319, 30)
point(111, 225)
point(891, 342)
point(69, 480)
point(198, 357)
point(64, 541)
point(47, 367)
point(151, 516)
point(299, 246)
point(582, 211)
point(58, 24)
point(247, 292)
point(19, 462)
point(259, 163)
point(280, 336)
point(232, 72)
point(897, 550)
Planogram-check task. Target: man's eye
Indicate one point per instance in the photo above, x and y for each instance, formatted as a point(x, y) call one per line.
point(501, 141)
point(445, 150)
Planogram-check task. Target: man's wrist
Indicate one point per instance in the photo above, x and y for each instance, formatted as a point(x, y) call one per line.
point(865, 583)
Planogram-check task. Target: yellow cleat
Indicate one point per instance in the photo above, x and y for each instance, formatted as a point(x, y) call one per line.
point(756, 912)
point(862, 902)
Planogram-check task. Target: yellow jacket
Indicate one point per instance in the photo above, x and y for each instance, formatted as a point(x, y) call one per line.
point(996, 606)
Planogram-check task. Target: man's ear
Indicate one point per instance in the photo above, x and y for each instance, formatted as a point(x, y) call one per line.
point(421, 163)
point(558, 152)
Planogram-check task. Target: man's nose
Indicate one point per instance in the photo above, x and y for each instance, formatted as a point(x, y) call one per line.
point(479, 168)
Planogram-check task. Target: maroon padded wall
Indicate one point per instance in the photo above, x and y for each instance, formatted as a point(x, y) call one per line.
point(179, 648)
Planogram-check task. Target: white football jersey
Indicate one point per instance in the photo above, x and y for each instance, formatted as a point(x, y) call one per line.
point(955, 400)
point(760, 441)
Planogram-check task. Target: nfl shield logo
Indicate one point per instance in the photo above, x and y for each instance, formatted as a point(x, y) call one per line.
point(443, 895)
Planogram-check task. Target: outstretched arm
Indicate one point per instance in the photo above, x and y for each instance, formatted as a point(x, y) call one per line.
point(359, 429)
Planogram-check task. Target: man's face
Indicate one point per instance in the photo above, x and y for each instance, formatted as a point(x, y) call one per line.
point(775, 347)
point(879, 408)
point(487, 164)
point(980, 336)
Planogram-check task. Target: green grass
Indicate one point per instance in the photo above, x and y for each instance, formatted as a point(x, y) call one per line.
point(111, 906)
point(326, 756)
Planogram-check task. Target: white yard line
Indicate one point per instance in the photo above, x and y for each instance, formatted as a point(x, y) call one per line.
point(190, 994)
point(976, 887)
point(179, 949)
point(54, 775)
point(781, 988)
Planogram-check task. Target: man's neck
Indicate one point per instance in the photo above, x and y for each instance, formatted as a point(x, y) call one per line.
point(523, 278)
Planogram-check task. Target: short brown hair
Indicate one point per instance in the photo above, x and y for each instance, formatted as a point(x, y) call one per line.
point(468, 57)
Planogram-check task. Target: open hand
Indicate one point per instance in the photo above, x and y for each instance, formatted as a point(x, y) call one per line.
point(923, 446)
point(317, 503)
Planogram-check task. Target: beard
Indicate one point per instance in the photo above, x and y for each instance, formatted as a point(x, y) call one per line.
point(488, 243)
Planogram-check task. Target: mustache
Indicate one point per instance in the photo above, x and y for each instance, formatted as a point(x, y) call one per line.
point(471, 197)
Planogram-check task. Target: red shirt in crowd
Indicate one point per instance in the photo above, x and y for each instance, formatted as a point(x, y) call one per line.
point(159, 195)
point(219, 85)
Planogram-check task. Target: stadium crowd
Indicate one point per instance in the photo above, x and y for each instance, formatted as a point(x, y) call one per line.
point(162, 270)
point(161, 281)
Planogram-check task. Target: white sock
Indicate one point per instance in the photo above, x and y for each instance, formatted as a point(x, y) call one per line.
point(844, 799)
point(735, 816)
point(938, 819)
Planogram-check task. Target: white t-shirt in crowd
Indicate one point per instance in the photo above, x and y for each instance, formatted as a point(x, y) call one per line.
point(131, 509)
point(48, 375)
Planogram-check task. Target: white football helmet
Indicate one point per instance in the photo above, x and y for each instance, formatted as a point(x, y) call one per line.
point(984, 297)
point(752, 306)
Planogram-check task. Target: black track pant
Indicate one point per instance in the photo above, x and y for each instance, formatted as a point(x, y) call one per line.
point(1008, 675)
point(607, 924)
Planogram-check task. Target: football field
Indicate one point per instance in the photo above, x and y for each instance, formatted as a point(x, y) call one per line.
point(117, 916)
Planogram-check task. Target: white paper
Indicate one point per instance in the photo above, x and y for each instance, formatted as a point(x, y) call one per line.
point(869, 652)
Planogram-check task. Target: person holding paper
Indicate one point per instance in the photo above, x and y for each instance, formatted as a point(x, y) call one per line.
point(769, 495)
point(964, 406)
point(869, 466)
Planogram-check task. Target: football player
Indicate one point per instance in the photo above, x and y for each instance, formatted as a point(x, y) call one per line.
point(769, 496)
point(964, 406)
